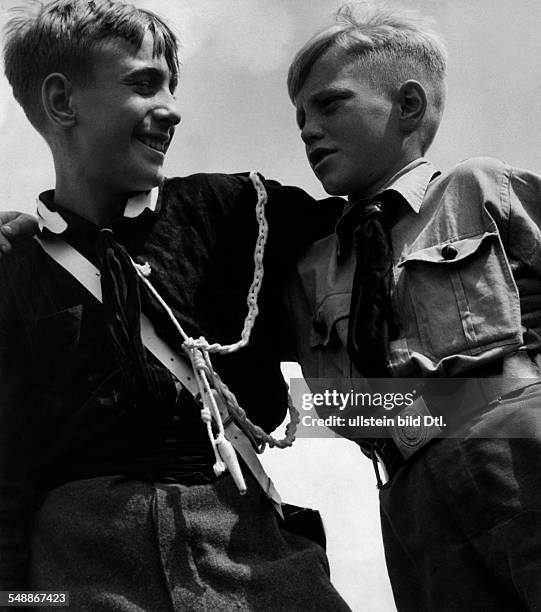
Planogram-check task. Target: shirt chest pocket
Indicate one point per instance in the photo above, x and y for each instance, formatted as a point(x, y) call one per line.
point(328, 337)
point(56, 338)
point(459, 298)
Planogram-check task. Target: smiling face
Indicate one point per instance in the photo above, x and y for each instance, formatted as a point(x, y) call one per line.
point(125, 119)
point(350, 130)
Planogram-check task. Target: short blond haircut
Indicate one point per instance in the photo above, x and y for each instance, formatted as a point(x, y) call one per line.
point(390, 45)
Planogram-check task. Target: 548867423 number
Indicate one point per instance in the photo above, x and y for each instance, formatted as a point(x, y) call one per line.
point(34, 598)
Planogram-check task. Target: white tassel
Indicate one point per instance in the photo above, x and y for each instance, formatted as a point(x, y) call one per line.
point(229, 456)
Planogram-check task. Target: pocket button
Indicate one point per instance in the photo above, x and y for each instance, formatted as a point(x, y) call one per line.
point(449, 252)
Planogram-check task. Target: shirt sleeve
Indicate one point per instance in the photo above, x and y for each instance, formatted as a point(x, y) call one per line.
point(524, 224)
point(16, 432)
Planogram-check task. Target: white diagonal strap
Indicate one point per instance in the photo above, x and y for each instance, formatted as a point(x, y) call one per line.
point(89, 276)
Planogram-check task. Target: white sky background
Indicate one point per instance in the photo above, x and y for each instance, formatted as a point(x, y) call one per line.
point(237, 117)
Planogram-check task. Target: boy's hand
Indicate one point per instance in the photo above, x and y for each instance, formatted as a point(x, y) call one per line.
point(13, 225)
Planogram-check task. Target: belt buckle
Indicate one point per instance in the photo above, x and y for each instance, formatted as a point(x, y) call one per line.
point(412, 429)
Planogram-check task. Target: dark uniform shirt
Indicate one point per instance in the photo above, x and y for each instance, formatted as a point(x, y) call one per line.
point(62, 414)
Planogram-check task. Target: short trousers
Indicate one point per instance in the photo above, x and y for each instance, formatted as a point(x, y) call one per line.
point(125, 545)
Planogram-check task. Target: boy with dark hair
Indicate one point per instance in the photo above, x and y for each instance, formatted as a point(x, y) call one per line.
point(420, 280)
point(111, 487)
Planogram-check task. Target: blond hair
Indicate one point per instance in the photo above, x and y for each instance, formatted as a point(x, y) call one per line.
point(390, 45)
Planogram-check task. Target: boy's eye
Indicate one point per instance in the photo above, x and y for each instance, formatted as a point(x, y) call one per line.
point(330, 105)
point(144, 87)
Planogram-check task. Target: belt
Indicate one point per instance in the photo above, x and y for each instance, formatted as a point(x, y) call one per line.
point(463, 399)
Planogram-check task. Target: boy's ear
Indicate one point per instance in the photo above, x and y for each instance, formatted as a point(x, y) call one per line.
point(57, 98)
point(412, 104)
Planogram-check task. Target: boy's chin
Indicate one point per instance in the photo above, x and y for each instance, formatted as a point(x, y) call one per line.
point(333, 189)
point(332, 185)
point(148, 182)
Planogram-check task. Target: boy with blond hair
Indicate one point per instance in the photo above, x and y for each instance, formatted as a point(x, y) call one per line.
point(420, 280)
point(111, 486)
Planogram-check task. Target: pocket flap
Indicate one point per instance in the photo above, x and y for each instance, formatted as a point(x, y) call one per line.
point(449, 252)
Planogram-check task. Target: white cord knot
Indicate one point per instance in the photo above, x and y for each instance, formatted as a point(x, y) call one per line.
point(206, 416)
point(144, 268)
point(219, 468)
point(199, 362)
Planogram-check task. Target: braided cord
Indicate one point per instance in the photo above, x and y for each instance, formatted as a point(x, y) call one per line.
point(255, 287)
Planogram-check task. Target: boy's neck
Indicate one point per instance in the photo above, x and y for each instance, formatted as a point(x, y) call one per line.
point(392, 174)
point(95, 205)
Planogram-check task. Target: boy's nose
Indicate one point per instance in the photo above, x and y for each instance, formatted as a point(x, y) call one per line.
point(168, 112)
point(310, 132)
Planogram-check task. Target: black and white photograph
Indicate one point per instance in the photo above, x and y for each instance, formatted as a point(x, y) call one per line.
point(270, 305)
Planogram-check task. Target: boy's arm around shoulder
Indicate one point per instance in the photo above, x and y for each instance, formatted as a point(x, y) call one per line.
point(295, 221)
point(291, 213)
point(299, 218)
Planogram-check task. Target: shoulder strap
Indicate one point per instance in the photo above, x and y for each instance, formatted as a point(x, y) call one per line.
point(89, 277)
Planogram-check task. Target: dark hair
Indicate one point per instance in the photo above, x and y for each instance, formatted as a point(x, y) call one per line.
point(60, 36)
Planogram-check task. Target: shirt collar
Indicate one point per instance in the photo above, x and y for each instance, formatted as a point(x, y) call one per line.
point(411, 183)
point(57, 222)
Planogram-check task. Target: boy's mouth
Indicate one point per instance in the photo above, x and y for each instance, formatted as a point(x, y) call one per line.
point(318, 155)
point(158, 144)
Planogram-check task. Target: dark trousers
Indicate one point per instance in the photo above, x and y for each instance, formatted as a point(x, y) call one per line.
point(121, 545)
point(462, 521)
